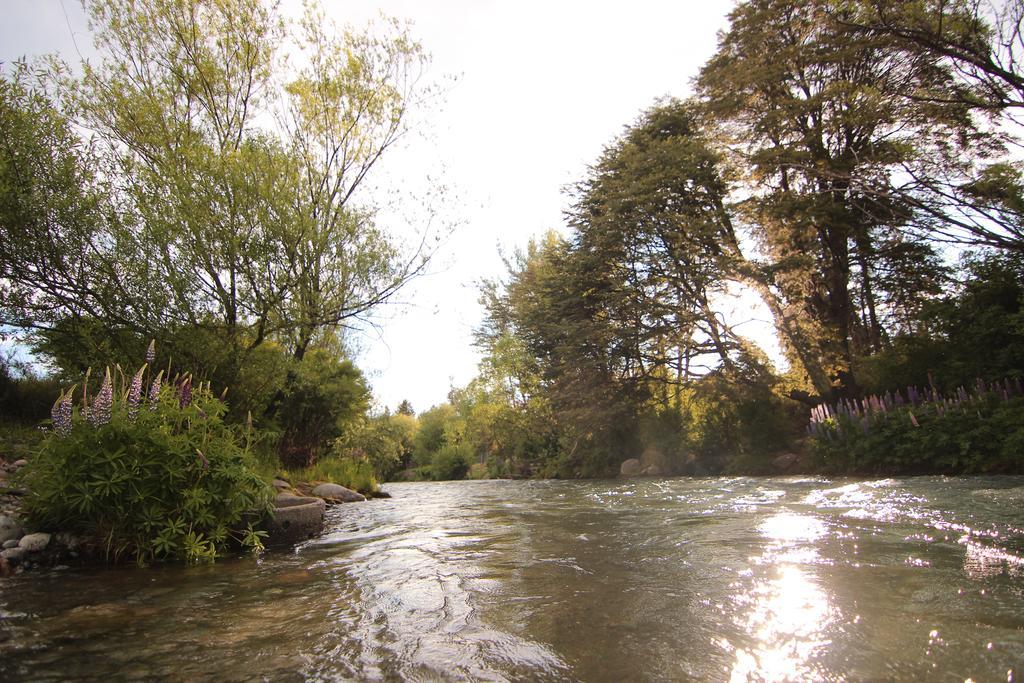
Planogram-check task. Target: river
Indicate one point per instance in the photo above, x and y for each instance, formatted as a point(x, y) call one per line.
point(674, 579)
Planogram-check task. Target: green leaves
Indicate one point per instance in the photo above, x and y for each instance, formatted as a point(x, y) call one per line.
point(140, 486)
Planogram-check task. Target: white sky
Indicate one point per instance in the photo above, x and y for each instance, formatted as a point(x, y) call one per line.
point(541, 88)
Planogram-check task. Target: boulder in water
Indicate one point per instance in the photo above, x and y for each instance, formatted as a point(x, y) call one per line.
point(785, 462)
point(631, 468)
point(337, 493)
point(295, 519)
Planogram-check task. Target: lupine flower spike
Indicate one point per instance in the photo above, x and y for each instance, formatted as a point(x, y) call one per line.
point(185, 392)
point(135, 394)
point(99, 413)
point(61, 413)
point(154, 390)
point(151, 352)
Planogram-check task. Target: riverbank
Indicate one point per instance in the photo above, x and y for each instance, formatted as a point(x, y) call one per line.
point(22, 549)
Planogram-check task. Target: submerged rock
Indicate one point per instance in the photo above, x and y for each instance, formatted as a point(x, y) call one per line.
point(295, 519)
point(631, 468)
point(336, 492)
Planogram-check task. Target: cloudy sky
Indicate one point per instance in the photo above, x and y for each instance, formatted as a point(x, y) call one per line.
point(536, 89)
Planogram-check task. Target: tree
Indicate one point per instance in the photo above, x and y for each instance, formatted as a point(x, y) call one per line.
point(55, 213)
point(818, 127)
point(258, 229)
point(978, 203)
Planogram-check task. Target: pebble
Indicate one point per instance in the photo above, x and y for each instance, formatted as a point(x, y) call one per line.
point(10, 543)
point(18, 464)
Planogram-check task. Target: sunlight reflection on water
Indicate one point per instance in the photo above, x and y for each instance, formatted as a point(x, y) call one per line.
point(789, 614)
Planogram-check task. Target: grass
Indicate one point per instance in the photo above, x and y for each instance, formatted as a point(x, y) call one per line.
point(353, 474)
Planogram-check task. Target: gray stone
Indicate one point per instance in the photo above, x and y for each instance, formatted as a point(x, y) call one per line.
point(11, 543)
point(335, 492)
point(281, 485)
point(785, 462)
point(9, 528)
point(630, 468)
point(33, 543)
point(18, 464)
point(295, 519)
point(652, 471)
point(13, 555)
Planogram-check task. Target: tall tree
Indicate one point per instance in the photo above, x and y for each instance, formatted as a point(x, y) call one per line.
point(819, 130)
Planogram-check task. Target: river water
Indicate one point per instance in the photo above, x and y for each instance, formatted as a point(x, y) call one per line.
point(675, 579)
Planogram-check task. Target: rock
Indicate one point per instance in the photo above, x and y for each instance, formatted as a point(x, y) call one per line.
point(9, 528)
point(33, 543)
point(785, 462)
point(12, 543)
point(281, 485)
point(652, 471)
point(13, 555)
point(653, 457)
point(18, 464)
point(295, 519)
point(631, 468)
point(335, 492)
point(379, 494)
point(69, 541)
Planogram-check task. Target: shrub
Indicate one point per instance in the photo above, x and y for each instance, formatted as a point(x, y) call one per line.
point(154, 477)
point(323, 398)
point(966, 432)
point(451, 462)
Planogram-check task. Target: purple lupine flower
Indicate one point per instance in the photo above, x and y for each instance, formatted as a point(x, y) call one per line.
point(185, 392)
point(99, 412)
point(154, 390)
point(135, 394)
point(151, 352)
point(61, 414)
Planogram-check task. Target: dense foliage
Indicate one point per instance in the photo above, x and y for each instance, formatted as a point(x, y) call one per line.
point(835, 157)
point(147, 470)
point(966, 432)
point(194, 185)
point(846, 171)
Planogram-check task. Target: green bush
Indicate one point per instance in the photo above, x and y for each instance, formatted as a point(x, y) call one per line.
point(155, 477)
point(984, 434)
point(324, 397)
point(451, 462)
